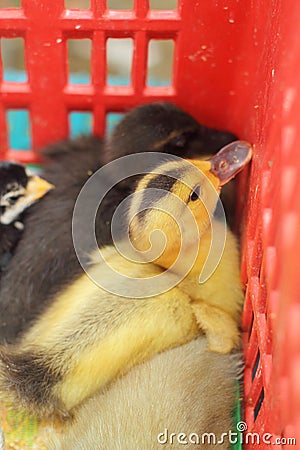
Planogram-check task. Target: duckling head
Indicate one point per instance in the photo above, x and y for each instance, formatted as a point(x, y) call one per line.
point(163, 127)
point(175, 203)
point(19, 189)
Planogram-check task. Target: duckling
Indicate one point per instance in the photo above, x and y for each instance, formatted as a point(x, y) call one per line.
point(89, 335)
point(42, 274)
point(159, 127)
point(45, 257)
point(166, 128)
point(18, 191)
point(182, 390)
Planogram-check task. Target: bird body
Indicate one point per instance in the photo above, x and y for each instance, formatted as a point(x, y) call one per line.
point(10, 236)
point(44, 269)
point(186, 390)
point(88, 336)
point(44, 259)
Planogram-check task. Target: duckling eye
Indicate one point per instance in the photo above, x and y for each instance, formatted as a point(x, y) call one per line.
point(178, 141)
point(195, 195)
point(13, 200)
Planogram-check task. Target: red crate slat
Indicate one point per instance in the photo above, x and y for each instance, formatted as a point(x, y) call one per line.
point(139, 64)
point(44, 55)
point(98, 7)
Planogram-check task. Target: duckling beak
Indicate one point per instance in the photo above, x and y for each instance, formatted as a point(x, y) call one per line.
point(230, 160)
point(37, 188)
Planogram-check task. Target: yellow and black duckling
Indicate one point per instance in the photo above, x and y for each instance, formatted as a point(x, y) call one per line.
point(45, 260)
point(156, 127)
point(19, 189)
point(182, 390)
point(88, 336)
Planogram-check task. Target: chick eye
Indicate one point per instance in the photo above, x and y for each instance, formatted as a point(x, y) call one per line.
point(195, 195)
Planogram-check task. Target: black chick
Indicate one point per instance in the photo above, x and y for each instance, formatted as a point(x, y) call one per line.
point(18, 190)
point(44, 269)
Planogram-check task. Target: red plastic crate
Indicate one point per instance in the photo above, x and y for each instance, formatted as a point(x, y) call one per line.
point(236, 66)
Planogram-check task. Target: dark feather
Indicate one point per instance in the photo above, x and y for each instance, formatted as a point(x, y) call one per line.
point(45, 259)
point(9, 237)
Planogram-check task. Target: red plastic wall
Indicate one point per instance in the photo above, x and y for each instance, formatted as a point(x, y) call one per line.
point(236, 66)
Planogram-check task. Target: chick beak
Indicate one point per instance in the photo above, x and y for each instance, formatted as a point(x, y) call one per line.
point(230, 160)
point(36, 189)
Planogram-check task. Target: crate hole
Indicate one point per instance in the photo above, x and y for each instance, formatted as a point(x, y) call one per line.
point(80, 122)
point(13, 59)
point(77, 4)
point(112, 119)
point(119, 61)
point(79, 61)
point(19, 135)
point(160, 62)
point(259, 404)
point(164, 5)
point(10, 4)
point(120, 4)
point(255, 367)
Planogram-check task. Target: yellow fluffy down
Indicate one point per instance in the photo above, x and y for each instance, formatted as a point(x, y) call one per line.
point(184, 390)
